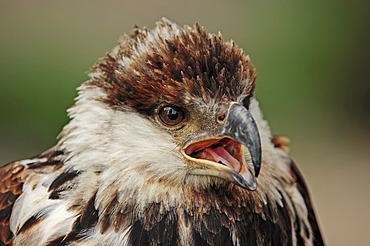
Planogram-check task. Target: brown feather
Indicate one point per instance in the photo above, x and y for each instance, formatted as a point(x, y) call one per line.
point(281, 142)
point(10, 189)
point(194, 63)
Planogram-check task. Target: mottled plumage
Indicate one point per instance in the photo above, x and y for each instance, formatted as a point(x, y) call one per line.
point(164, 147)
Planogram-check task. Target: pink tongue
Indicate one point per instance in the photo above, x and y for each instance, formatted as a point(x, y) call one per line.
point(219, 155)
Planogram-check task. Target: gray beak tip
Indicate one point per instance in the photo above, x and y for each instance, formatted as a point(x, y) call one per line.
point(256, 159)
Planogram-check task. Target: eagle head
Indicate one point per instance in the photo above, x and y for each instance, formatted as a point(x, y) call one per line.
point(168, 106)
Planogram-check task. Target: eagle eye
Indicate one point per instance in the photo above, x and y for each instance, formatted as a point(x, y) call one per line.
point(171, 115)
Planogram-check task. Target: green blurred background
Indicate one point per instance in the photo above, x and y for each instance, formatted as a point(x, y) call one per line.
point(313, 84)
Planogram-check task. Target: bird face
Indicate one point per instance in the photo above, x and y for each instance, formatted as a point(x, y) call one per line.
point(214, 143)
point(175, 105)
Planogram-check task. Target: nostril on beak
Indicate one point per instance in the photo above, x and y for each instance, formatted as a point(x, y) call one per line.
point(221, 118)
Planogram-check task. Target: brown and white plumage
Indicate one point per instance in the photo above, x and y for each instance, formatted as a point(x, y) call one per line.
point(138, 162)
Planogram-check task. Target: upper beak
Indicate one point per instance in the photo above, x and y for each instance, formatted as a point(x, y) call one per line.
point(223, 155)
point(241, 127)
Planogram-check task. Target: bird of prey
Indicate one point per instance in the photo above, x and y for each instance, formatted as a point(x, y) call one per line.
point(166, 145)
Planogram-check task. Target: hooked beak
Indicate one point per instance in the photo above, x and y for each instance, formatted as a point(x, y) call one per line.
point(223, 156)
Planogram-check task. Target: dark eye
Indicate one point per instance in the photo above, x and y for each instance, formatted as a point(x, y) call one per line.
point(171, 115)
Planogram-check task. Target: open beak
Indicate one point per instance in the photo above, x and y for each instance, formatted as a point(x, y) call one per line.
point(223, 156)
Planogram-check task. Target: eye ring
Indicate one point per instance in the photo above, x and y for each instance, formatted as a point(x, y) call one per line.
point(171, 115)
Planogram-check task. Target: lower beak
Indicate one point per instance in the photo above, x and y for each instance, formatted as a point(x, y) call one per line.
point(223, 156)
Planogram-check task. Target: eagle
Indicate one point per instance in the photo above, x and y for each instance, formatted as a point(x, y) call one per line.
point(166, 145)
